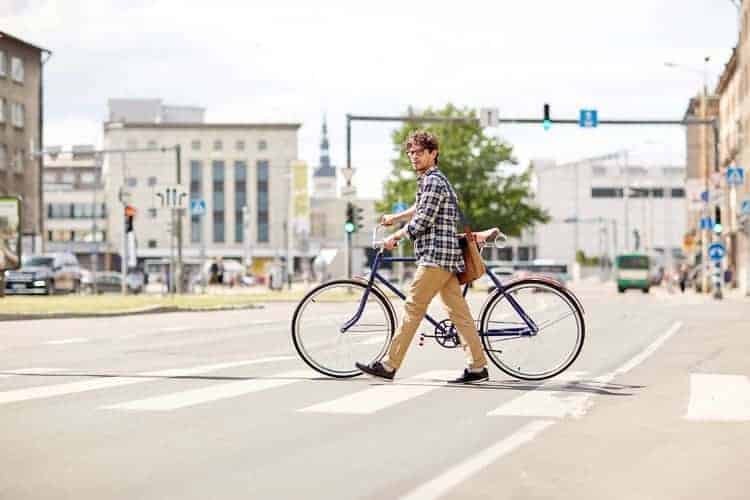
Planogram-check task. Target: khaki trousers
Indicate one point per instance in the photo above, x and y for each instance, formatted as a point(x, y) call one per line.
point(428, 282)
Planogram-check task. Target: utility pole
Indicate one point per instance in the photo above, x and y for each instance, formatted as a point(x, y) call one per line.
point(178, 225)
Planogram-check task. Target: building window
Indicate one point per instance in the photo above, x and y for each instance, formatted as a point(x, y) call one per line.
point(239, 145)
point(240, 198)
point(17, 114)
point(3, 64)
point(678, 192)
point(262, 209)
point(196, 193)
point(152, 243)
point(3, 156)
point(16, 69)
point(59, 211)
point(262, 145)
point(152, 181)
point(217, 169)
point(2, 109)
point(18, 164)
point(152, 213)
point(88, 178)
point(657, 193)
point(218, 145)
point(605, 192)
point(69, 178)
point(131, 182)
point(195, 145)
point(49, 177)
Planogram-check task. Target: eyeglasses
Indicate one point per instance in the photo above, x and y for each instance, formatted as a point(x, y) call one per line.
point(414, 152)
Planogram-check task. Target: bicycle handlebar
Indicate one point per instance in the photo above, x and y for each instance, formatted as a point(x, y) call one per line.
point(499, 239)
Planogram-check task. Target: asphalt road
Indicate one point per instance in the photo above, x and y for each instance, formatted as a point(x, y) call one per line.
point(217, 405)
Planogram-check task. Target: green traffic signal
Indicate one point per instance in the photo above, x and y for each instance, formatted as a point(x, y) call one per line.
point(349, 227)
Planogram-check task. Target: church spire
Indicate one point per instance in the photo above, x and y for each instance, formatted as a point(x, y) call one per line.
point(325, 157)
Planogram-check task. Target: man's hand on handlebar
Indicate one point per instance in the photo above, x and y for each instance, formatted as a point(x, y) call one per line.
point(391, 242)
point(389, 219)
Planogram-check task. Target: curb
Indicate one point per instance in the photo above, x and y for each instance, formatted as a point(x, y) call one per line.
point(131, 312)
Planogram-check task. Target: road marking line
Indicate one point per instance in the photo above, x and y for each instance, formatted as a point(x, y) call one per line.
point(75, 340)
point(90, 385)
point(29, 371)
point(194, 397)
point(380, 397)
point(648, 351)
point(440, 485)
point(724, 398)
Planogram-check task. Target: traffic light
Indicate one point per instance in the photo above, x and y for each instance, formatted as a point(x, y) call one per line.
point(717, 222)
point(547, 123)
point(349, 225)
point(129, 214)
point(354, 218)
point(637, 239)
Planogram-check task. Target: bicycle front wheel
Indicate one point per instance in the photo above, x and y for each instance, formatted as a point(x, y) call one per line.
point(538, 356)
point(323, 312)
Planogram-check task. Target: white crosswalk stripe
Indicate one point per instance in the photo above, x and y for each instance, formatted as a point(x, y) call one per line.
point(216, 392)
point(116, 381)
point(380, 397)
point(29, 371)
point(542, 402)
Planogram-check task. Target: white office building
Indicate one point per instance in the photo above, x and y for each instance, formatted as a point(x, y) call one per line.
point(591, 212)
point(229, 166)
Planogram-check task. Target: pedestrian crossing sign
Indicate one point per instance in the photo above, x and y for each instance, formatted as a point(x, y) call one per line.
point(735, 176)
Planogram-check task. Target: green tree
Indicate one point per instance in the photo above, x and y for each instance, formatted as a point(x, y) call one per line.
point(473, 163)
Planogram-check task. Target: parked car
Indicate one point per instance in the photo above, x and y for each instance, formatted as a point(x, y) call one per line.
point(111, 282)
point(45, 275)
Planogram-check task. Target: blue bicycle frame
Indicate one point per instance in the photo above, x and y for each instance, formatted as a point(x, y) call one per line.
point(529, 330)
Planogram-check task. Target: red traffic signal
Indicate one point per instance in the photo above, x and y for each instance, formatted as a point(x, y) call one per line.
point(129, 210)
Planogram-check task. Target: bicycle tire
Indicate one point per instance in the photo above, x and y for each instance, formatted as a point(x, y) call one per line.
point(508, 366)
point(299, 319)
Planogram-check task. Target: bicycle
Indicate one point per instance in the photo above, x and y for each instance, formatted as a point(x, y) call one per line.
point(514, 323)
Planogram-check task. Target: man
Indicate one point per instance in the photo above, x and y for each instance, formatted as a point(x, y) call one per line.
point(432, 229)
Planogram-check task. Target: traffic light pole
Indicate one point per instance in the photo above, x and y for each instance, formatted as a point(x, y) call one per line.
point(178, 225)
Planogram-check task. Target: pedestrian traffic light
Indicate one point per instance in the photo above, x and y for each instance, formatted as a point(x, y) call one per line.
point(129, 214)
point(349, 225)
point(717, 222)
point(547, 123)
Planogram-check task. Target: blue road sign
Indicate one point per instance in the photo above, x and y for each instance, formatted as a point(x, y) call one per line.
point(704, 196)
point(745, 207)
point(197, 207)
point(399, 206)
point(716, 251)
point(735, 176)
point(588, 118)
point(707, 223)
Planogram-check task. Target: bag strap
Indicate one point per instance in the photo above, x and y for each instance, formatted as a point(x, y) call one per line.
point(462, 219)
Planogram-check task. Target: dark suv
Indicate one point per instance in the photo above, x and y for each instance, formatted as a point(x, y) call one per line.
point(45, 274)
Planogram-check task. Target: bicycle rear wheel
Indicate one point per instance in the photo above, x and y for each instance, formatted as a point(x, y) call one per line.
point(544, 354)
point(319, 317)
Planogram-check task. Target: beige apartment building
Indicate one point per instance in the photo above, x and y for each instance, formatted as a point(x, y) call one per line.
point(733, 92)
point(228, 166)
point(74, 206)
point(21, 122)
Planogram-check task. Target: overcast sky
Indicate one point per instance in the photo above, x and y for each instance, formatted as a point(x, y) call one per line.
point(294, 61)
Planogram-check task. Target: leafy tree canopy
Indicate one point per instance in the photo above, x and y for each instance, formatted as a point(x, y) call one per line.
point(473, 163)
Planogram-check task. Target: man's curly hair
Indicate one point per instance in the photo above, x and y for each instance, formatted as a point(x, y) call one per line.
point(423, 139)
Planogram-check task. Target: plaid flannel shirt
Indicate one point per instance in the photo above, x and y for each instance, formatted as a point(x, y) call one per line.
point(433, 227)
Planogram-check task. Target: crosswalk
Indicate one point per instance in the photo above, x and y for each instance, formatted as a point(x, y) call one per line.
point(712, 397)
